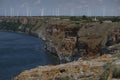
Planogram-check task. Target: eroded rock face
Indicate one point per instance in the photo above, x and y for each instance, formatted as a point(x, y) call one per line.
point(60, 37)
point(67, 38)
point(96, 69)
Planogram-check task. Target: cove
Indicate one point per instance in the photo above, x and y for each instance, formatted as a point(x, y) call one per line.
point(19, 52)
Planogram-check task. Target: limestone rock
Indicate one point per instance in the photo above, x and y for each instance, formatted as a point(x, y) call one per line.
point(79, 70)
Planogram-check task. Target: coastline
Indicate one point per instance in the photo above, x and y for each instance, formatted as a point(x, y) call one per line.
point(34, 35)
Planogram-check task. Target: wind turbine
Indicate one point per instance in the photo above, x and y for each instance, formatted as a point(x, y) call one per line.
point(80, 10)
point(88, 11)
point(42, 12)
point(11, 13)
point(72, 12)
point(2, 11)
point(95, 11)
point(58, 12)
point(17, 13)
point(53, 12)
point(30, 13)
point(27, 11)
point(5, 13)
point(104, 11)
point(112, 11)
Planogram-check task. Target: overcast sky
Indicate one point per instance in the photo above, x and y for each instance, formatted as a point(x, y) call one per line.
point(60, 7)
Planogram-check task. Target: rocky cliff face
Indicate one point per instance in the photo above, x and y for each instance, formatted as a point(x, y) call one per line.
point(68, 40)
point(71, 40)
point(95, 69)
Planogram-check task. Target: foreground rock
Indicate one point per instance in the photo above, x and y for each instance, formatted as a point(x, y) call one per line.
point(116, 67)
point(95, 69)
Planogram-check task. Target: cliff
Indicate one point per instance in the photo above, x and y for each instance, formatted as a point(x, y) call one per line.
point(71, 41)
point(66, 38)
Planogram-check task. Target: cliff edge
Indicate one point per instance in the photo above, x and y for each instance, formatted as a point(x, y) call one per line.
point(95, 69)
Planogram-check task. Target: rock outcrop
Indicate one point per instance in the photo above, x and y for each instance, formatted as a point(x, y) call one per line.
point(95, 69)
point(70, 40)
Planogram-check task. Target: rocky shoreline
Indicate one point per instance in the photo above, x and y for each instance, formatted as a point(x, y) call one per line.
point(94, 69)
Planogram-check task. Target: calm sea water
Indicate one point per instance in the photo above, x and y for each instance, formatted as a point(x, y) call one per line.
point(20, 52)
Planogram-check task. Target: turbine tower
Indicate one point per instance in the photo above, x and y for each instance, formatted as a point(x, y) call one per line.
point(30, 13)
point(88, 11)
point(5, 13)
point(17, 13)
point(42, 12)
point(52, 12)
point(27, 11)
point(104, 11)
point(72, 12)
point(112, 12)
point(11, 12)
point(58, 12)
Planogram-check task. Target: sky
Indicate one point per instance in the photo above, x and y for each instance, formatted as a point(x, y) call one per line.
point(59, 7)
